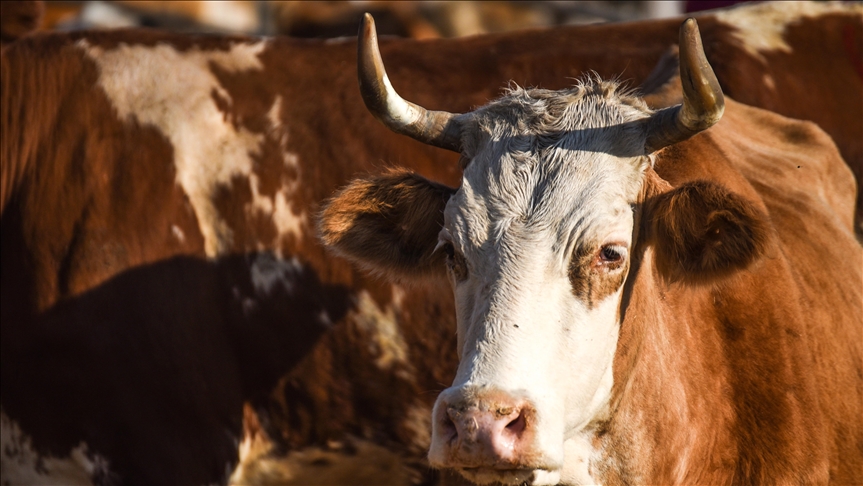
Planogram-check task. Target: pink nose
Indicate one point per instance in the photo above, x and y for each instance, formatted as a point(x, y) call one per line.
point(487, 433)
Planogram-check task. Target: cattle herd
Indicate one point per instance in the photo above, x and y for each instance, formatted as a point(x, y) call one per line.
point(623, 253)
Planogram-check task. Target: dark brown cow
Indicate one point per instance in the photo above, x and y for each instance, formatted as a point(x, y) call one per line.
point(168, 315)
point(639, 300)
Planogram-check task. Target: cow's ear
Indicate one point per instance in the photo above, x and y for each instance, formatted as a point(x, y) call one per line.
point(701, 231)
point(388, 224)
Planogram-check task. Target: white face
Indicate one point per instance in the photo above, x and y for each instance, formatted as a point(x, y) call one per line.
point(538, 240)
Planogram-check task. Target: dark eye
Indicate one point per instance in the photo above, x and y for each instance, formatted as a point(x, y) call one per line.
point(611, 255)
point(454, 260)
point(448, 250)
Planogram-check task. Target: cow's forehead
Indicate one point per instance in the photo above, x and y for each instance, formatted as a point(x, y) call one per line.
point(581, 116)
point(551, 164)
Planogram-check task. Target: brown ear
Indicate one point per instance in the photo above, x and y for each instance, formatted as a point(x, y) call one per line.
point(388, 224)
point(702, 231)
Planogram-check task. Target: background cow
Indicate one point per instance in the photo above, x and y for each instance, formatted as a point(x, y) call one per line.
point(168, 315)
point(619, 324)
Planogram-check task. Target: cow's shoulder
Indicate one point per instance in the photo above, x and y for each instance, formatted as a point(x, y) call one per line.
point(772, 160)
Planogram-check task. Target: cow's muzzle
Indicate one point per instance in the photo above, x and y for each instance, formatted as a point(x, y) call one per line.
point(487, 436)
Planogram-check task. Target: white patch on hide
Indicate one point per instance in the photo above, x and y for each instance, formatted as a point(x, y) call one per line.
point(324, 318)
point(20, 464)
point(382, 329)
point(287, 219)
point(275, 114)
point(760, 27)
point(173, 91)
point(235, 16)
point(178, 233)
point(769, 82)
point(268, 273)
point(287, 223)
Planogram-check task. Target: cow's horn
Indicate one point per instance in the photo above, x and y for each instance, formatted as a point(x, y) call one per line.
point(438, 128)
point(703, 102)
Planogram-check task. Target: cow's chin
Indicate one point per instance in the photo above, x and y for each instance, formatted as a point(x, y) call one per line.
point(487, 475)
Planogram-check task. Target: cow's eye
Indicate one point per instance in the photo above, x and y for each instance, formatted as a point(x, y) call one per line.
point(454, 260)
point(448, 250)
point(611, 256)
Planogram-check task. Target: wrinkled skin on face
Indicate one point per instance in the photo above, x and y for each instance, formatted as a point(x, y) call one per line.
point(537, 242)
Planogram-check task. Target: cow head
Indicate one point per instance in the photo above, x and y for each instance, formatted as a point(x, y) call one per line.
point(537, 244)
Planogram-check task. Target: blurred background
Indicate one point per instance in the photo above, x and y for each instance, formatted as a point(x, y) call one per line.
point(327, 19)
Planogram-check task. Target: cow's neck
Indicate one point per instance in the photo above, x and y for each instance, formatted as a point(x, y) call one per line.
point(668, 375)
point(667, 382)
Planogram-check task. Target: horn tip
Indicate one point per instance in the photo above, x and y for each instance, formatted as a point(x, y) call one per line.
point(690, 24)
point(689, 31)
point(367, 25)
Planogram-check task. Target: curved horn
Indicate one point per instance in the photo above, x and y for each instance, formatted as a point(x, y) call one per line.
point(438, 128)
point(703, 102)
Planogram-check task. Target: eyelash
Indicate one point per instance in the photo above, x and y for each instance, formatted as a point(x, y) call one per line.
point(454, 261)
point(611, 256)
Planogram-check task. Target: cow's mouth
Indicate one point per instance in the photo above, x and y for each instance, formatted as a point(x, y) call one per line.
point(486, 475)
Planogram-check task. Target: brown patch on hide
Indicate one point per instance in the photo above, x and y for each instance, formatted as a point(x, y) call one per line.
point(593, 281)
point(703, 231)
point(389, 223)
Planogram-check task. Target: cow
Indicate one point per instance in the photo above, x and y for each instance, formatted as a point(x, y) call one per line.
point(168, 314)
point(642, 296)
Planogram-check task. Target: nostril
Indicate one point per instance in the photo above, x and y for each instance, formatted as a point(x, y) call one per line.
point(517, 425)
point(447, 423)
